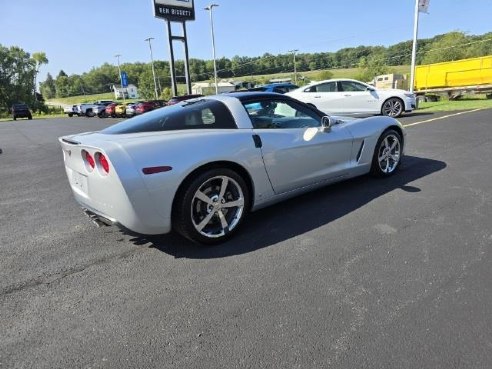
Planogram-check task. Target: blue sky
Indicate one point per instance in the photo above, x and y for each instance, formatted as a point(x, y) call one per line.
point(79, 35)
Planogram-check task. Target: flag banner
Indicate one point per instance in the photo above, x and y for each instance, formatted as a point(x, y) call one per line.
point(423, 6)
point(124, 79)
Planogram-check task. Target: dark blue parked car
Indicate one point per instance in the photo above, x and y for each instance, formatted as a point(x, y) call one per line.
point(280, 88)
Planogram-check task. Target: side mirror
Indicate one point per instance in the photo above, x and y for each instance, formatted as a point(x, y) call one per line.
point(327, 122)
point(370, 88)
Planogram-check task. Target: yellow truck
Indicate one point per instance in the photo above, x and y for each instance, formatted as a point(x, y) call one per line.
point(455, 78)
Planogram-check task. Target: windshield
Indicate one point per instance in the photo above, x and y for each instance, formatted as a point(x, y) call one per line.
point(195, 114)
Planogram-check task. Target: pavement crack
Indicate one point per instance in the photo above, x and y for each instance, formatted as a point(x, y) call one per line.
point(58, 276)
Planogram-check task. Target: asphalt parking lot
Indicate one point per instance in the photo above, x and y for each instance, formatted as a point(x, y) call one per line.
point(368, 273)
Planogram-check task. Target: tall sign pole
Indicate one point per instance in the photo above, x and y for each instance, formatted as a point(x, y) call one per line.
point(420, 6)
point(178, 11)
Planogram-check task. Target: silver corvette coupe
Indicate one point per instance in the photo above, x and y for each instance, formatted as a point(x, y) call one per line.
point(201, 166)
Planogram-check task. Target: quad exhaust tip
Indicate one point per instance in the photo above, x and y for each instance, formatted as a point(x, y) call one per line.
point(96, 219)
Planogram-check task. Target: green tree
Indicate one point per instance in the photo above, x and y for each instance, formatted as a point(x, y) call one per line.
point(17, 70)
point(62, 85)
point(448, 47)
point(40, 59)
point(373, 66)
point(48, 88)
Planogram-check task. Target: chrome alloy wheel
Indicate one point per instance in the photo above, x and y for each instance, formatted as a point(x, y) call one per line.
point(389, 153)
point(217, 206)
point(392, 107)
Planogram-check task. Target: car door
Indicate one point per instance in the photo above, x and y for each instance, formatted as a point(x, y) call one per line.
point(324, 96)
point(297, 151)
point(357, 98)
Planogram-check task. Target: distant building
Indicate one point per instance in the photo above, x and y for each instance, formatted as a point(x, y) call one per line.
point(280, 80)
point(208, 88)
point(389, 81)
point(130, 92)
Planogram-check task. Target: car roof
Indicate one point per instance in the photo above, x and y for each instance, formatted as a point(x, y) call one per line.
point(252, 95)
point(337, 80)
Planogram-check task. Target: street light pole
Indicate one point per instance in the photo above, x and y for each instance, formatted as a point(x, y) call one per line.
point(153, 69)
point(295, 66)
point(210, 9)
point(121, 79)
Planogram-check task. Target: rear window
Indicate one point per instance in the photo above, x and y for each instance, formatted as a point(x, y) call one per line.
point(197, 114)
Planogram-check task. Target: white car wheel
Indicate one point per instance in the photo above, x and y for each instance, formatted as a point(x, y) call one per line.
point(392, 107)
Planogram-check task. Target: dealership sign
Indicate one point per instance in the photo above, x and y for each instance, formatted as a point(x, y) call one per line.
point(175, 10)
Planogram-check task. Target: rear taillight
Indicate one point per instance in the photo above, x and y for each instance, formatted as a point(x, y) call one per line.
point(88, 159)
point(103, 162)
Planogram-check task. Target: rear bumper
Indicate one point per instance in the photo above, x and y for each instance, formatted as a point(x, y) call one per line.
point(410, 104)
point(127, 218)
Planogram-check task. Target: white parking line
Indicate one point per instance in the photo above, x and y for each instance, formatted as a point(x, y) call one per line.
point(439, 118)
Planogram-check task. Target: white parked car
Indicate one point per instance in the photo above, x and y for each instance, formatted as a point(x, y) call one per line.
point(348, 96)
point(200, 166)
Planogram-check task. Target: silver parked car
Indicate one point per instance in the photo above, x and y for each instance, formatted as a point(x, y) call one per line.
point(199, 167)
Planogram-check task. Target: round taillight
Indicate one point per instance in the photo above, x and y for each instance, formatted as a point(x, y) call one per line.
point(103, 162)
point(89, 159)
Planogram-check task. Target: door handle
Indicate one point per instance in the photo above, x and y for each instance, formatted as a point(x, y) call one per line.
point(347, 95)
point(317, 97)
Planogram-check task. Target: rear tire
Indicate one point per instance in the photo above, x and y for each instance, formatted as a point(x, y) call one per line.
point(15, 118)
point(211, 206)
point(29, 117)
point(70, 115)
point(387, 154)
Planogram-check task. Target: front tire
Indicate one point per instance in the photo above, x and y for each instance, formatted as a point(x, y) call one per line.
point(387, 154)
point(210, 208)
point(393, 107)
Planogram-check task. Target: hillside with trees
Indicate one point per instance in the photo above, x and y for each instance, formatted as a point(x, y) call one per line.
point(18, 69)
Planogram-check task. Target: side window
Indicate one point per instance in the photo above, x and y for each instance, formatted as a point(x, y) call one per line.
point(352, 86)
point(198, 114)
point(280, 114)
point(280, 90)
point(327, 87)
point(208, 116)
point(311, 89)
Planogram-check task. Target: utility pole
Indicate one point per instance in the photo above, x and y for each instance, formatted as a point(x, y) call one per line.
point(210, 9)
point(295, 65)
point(153, 69)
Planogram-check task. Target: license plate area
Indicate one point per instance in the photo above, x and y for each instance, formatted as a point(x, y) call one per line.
point(79, 182)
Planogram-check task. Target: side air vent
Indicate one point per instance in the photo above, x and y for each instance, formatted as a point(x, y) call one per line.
point(360, 150)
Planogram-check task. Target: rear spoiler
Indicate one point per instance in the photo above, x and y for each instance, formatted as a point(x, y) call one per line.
point(70, 141)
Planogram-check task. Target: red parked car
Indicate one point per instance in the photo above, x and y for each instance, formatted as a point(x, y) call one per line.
point(110, 110)
point(144, 107)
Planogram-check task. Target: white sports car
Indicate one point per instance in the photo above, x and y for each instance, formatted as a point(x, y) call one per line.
point(348, 96)
point(200, 166)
